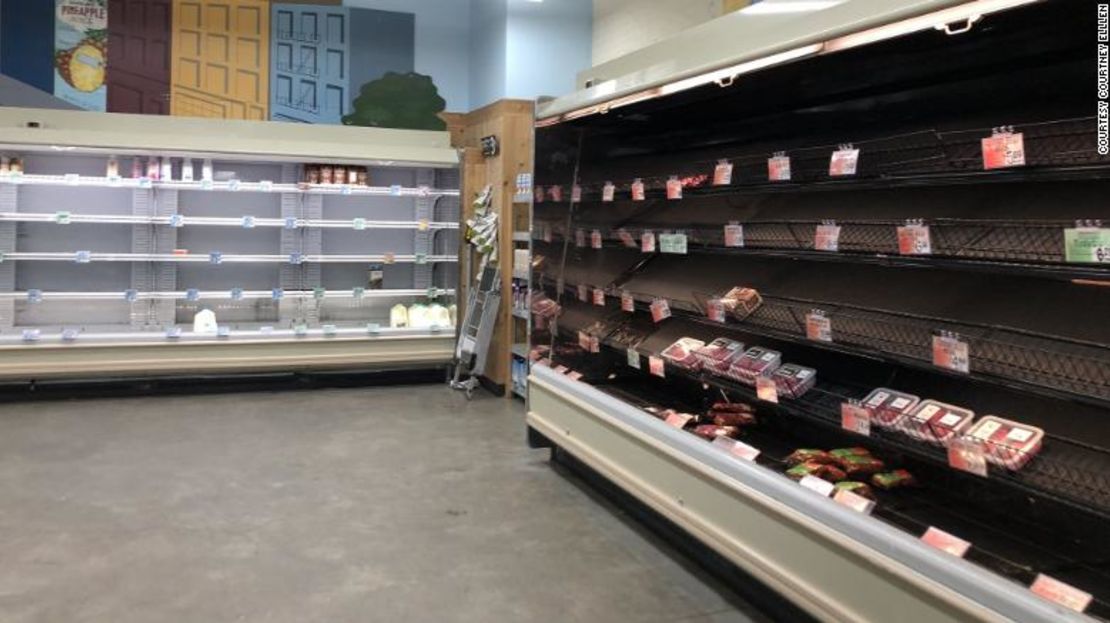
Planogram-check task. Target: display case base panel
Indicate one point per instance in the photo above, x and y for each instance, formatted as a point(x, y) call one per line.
point(832, 562)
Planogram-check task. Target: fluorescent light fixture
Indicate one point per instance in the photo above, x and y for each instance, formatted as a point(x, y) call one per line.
point(970, 12)
point(770, 7)
point(727, 75)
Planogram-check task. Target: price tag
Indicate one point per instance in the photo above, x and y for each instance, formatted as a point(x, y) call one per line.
point(660, 310)
point(145, 182)
point(656, 367)
point(300, 330)
point(421, 258)
point(62, 218)
point(205, 184)
point(192, 295)
point(546, 232)
point(734, 235)
point(395, 190)
point(580, 238)
point(389, 258)
point(914, 240)
point(722, 173)
point(1060, 593)
point(628, 302)
point(82, 257)
point(715, 310)
point(674, 189)
point(266, 330)
point(583, 293)
point(1004, 149)
point(843, 162)
point(319, 293)
point(358, 293)
point(736, 448)
point(345, 189)
point(31, 335)
point(626, 238)
point(608, 191)
point(647, 242)
point(360, 224)
point(576, 193)
point(673, 243)
point(329, 330)
point(373, 328)
point(543, 363)
point(778, 168)
point(422, 225)
point(69, 335)
point(678, 420)
point(950, 353)
point(237, 294)
point(561, 369)
point(538, 194)
point(248, 222)
point(966, 454)
point(176, 220)
point(817, 485)
point(173, 333)
point(818, 327)
point(765, 389)
point(266, 186)
point(633, 358)
point(556, 193)
point(34, 295)
point(854, 501)
point(595, 239)
point(827, 238)
point(131, 295)
point(637, 190)
point(935, 537)
point(1089, 245)
point(599, 297)
point(233, 185)
point(855, 418)
point(114, 181)
point(574, 375)
point(584, 341)
point(223, 331)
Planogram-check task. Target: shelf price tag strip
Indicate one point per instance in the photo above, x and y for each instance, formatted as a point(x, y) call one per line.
point(1060, 593)
point(735, 448)
point(951, 353)
point(855, 418)
point(945, 542)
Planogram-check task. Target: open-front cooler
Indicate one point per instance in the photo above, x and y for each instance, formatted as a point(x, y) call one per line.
point(838, 309)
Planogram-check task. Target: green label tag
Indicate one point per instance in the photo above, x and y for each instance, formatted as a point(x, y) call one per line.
point(672, 243)
point(433, 293)
point(1087, 244)
point(62, 218)
point(318, 293)
point(358, 292)
point(421, 258)
point(300, 330)
point(360, 223)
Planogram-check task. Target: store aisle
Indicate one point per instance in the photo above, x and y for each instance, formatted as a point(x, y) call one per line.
point(384, 504)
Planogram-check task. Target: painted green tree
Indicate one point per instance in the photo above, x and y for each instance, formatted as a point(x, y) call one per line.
point(408, 101)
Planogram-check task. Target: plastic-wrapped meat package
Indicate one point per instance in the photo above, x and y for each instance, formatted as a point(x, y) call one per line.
point(1007, 443)
point(793, 380)
point(718, 355)
point(544, 307)
point(681, 353)
point(710, 432)
point(741, 302)
point(754, 362)
point(937, 422)
point(888, 407)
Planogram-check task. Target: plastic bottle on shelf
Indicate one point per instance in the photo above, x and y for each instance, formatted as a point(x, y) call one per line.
point(5, 164)
point(166, 173)
point(186, 169)
point(136, 167)
point(113, 167)
point(206, 172)
point(152, 169)
point(352, 176)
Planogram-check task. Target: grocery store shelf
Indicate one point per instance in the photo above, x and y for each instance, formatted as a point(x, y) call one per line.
point(74, 180)
point(520, 350)
point(230, 258)
point(245, 222)
point(199, 295)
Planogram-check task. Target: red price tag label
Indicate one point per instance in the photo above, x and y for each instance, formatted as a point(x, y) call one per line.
point(945, 542)
point(1004, 150)
point(580, 238)
point(595, 239)
point(765, 389)
point(599, 297)
point(951, 353)
point(583, 294)
point(778, 169)
point(827, 238)
point(660, 310)
point(628, 302)
point(638, 190)
point(815, 484)
point(647, 242)
point(556, 193)
point(655, 366)
point(818, 327)
point(678, 420)
point(854, 501)
point(734, 235)
point(608, 191)
point(594, 345)
point(574, 376)
point(722, 173)
point(576, 193)
point(855, 418)
point(561, 369)
point(1057, 592)
point(715, 310)
point(966, 454)
point(843, 162)
point(736, 448)
point(674, 189)
point(914, 240)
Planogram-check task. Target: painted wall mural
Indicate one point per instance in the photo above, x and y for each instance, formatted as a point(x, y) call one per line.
point(314, 61)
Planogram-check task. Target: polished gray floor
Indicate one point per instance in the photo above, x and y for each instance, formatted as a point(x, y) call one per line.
point(385, 504)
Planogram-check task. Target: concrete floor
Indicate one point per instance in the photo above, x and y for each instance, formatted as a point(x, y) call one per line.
point(383, 504)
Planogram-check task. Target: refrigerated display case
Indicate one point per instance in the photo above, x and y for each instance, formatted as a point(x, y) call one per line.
point(136, 245)
point(899, 192)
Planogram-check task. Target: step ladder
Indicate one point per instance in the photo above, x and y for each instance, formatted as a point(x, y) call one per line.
point(476, 330)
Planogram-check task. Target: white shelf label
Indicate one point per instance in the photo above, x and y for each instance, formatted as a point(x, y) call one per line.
point(647, 242)
point(734, 235)
point(951, 353)
point(638, 190)
point(31, 335)
point(359, 224)
point(736, 448)
point(145, 182)
point(580, 238)
point(72, 179)
point(628, 302)
point(914, 240)
point(215, 257)
point(63, 218)
point(817, 485)
point(656, 366)
point(722, 173)
point(854, 501)
point(205, 184)
point(660, 310)
point(673, 243)
point(778, 169)
point(395, 190)
point(1060, 593)
point(345, 189)
point(678, 420)
point(633, 358)
point(583, 293)
point(827, 238)
point(855, 418)
point(818, 327)
point(82, 257)
point(608, 192)
point(248, 222)
point(966, 454)
point(234, 185)
point(576, 193)
point(674, 189)
point(599, 297)
point(843, 162)
point(595, 239)
point(945, 542)
point(715, 310)
point(192, 295)
point(1004, 149)
point(266, 186)
point(766, 390)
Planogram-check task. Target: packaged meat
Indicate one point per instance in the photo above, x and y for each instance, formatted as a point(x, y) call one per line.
point(937, 422)
point(731, 418)
point(1007, 443)
point(860, 466)
point(823, 471)
point(840, 453)
point(754, 362)
point(858, 488)
point(734, 407)
point(681, 353)
point(741, 302)
point(793, 380)
point(808, 455)
point(888, 407)
point(718, 355)
point(893, 480)
point(712, 431)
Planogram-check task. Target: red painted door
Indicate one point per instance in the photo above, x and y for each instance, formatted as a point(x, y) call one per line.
point(139, 56)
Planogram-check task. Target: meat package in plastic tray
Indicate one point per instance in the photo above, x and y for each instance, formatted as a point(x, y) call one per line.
point(717, 356)
point(544, 307)
point(741, 302)
point(793, 381)
point(681, 353)
point(888, 407)
point(1007, 443)
point(755, 362)
point(937, 422)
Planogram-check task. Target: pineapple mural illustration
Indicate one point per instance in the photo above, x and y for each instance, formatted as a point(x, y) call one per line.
point(81, 52)
point(84, 66)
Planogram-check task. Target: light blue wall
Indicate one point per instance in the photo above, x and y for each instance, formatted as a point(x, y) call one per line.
point(548, 44)
point(488, 42)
